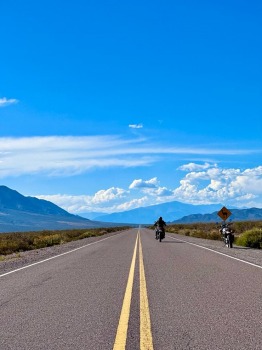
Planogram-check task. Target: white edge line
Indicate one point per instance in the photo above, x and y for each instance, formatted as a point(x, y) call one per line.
point(56, 256)
point(214, 251)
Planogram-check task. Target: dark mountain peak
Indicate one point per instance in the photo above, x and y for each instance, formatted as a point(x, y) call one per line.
point(11, 199)
point(7, 193)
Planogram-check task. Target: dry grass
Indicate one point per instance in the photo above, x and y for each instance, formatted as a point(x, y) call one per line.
point(22, 241)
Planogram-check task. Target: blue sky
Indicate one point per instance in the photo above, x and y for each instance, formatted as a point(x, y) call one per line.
point(111, 105)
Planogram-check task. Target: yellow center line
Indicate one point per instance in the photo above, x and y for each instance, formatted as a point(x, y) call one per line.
point(146, 341)
point(121, 335)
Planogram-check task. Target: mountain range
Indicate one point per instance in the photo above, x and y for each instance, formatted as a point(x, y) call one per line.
point(20, 213)
point(177, 212)
point(170, 211)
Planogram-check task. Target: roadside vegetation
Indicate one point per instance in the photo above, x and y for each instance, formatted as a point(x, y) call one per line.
point(247, 233)
point(17, 242)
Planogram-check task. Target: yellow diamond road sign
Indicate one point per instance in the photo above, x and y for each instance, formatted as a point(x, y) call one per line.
point(224, 213)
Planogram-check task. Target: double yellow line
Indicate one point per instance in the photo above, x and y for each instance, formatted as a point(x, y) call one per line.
point(146, 341)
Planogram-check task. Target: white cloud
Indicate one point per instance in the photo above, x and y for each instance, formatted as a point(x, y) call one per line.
point(134, 203)
point(85, 203)
point(218, 185)
point(231, 185)
point(249, 180)
point(136, 126)
point(110, 194)
point(5, 102)
point(163, 192)
point(55, 156)
point(151, 188)
point(152, 183)
point(71, 203)
point(195, 167)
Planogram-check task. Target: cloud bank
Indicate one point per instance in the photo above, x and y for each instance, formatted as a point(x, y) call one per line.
point(200, 182)
point(213, 185)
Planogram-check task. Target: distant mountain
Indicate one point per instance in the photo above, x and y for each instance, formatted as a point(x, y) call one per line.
point(169, 211)
point(250, 214)
point(19, 213)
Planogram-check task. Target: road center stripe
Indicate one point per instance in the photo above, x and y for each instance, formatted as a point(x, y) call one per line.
point(146, 341)
point(121, 335)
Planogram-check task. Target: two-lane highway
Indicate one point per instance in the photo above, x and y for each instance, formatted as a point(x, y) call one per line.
point(129, 291)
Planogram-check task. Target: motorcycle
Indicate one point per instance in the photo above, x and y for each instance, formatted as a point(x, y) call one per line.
point(227, 234)
point(160, 233)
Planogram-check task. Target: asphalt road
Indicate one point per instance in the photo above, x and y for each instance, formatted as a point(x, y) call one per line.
point(129, 291)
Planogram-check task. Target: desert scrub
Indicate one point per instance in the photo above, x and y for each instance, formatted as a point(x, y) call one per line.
point(185, 232)
point(90, 234)
point(243, 226)
point(47, 241)
point(198, 230)
point(251, 238)
point(8, 247)
point(16, 242)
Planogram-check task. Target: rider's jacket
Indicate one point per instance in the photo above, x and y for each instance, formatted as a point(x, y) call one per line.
point(160, 222)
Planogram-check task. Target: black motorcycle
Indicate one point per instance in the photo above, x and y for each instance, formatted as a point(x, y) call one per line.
point(160, 233)
point(227, 234)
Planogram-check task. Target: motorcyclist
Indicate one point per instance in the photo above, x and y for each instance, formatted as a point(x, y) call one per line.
point(161, 223)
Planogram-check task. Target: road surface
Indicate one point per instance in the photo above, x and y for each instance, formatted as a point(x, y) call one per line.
point(129, 291)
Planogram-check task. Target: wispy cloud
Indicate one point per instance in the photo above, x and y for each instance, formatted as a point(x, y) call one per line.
point(68, 155)
point(136, 126)
point(57, 155)
point(5, 102)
